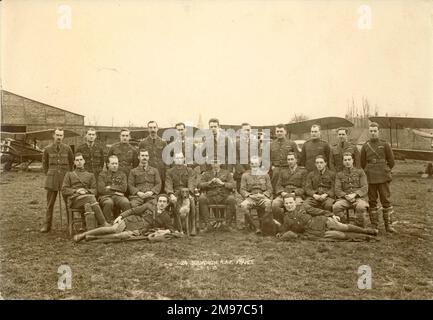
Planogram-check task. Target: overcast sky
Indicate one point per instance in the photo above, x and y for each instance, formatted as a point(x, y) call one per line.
point(133, 61)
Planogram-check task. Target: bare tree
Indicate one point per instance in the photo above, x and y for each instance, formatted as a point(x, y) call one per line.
point(299, 117)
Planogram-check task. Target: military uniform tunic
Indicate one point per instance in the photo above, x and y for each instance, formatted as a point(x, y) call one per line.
point(57, 160)
point(336, 155)
point(74, 180)
point(178, 177)
point(155, 148)
point(127, 155)
point(94, 157)
point(377, 159)
point(311, 149)
point(115, 195)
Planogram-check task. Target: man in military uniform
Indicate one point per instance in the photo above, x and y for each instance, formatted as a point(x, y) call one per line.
point(256, 189)
point(155, 145)
point(219, 140)
point(312, 148)
point(351, 191)
point(144, 181)
point(377, 159)
point(57, 159)
point(93, 153)
point(343, 145)
point(244, 140)
point(79, 186)
point(217, 185)
point(298, 220)
point(280, 148)
point(112, 186)
point(319, 186)
point(134, 222)
point(178, 177)
point(125, 152)
point(290, 182)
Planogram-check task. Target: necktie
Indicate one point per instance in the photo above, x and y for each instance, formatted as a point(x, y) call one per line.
point(58, 148)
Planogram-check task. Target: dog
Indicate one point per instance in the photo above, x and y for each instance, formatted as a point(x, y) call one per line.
point(186, 212)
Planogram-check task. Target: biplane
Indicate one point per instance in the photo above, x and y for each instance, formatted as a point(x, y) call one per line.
point(21, 147)
point(410, 123)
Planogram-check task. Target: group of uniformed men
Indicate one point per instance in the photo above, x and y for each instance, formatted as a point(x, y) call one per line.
point(322, 180)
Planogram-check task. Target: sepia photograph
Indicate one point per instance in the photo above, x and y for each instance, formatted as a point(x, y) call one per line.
point(216, 151)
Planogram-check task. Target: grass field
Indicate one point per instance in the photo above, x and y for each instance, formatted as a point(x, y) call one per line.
point(219, 265)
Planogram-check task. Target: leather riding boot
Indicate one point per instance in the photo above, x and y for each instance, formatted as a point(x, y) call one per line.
point(374, 218)
point(48, 221)
point(99, 215)
point(357, 229)
point(387, 219)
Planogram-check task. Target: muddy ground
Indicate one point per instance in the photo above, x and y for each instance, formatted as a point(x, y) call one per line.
point(218, 265)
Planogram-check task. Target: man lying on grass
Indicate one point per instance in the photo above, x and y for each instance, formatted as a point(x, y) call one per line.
point(134, 222)
point(298, 221)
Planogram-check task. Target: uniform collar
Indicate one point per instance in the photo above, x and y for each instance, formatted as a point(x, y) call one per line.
point(348, 169)
point(144, 168)
point(150, 137)
point(80, 169)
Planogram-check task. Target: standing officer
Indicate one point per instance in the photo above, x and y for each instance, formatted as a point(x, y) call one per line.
point(220, 139)
point(351, 191)
point(280, 148)
point(57, 160)
point(144, 181)
point(244, 141)
point(312, 148)
point(319, 186)
point(125, 152)
point(93, 153)
point(337, 150)
point(155, 145)
point(112, 187)
point(377, 159)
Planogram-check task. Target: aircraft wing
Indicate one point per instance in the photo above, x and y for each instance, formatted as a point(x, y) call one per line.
point(403, 122)
point(303, 126)
point(36, 135)
point(326, 123)
point(424, 155)
point(423, 134)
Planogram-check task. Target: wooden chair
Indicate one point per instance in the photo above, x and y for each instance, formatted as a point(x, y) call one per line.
point(217, 214)
point(76, 221)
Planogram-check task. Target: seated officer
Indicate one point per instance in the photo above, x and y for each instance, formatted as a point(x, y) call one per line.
point(319, 186)
point(290, 182)
point(351, 191)
point(218, 185)
point(178, 177)
point(80, 187)
point(256, 189)
point(144, 182)
point(112, 185)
